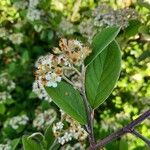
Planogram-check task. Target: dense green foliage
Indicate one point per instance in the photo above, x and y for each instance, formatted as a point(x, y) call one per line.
point(29, 30)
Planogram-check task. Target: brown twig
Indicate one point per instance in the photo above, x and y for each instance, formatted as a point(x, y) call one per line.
point(127, 129)
point(89, 112)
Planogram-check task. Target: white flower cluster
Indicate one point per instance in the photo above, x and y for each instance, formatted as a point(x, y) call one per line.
point(44, 119)
point(40, 91)
point(77, 146)
point(7, 86)
point(111, 17)
point(3, 33)
point(16, 122)
point(5, 147)
point(20, 4)
point(74, 130)
point(16, 38)
point(65, 138)
point(104, 16)
point(65, 27)
point(50, 69)
point(33, 13)
point(4, 96)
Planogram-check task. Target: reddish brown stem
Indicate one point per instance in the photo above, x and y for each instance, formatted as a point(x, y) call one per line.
point(127, 129)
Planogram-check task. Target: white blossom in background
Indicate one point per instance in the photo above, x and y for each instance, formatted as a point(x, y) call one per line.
point(4, 96)
point(77, 146)
point(20, 4)
point(65, 27)
point(3, 33)
point(5, 146)
point(33, 3)
point(6, 82)
point(16, 122)
point(44, 119)
point(34, 14)
point(105, 16)
point(16, 38)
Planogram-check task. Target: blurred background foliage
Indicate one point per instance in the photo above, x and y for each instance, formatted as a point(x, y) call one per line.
point(31, 28)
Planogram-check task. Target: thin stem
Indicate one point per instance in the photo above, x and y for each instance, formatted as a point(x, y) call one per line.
point(89, 112)
point(147, 141)
point(124, 130)
point(73, 68)
point(67, 80)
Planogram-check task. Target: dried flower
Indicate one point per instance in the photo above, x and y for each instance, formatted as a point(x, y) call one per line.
point(74, 130)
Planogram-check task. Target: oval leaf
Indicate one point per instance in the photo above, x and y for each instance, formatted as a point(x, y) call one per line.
point(29, 144)
point(69, 100)
point(101, 41)
point(102, 74)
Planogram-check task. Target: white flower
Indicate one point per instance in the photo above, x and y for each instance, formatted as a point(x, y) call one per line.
point(66, 138)
point(61, 140)
point(5, 147)
point(20, 4)
point(33, 14)
point(59, 125)
point(52, 79)
point(17, 121)
point(3, 33)
point(33, 3)
point(43, 119)
point(16, 38)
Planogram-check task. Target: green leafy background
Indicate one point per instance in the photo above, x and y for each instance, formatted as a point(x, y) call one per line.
point(130, 97)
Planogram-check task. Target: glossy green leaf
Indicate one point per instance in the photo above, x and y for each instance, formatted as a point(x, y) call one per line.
point(69, 100)
point(49, 136)
point(101, 41)
point(102, 74)
point(15, 143)
point(30, 144)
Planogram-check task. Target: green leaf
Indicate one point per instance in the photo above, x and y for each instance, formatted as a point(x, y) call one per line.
point(15, 143)
point(143, 4)
point(49, 137)
point(2, 109)
point(144, 55)
point(101, 41)
point(69, 100)
point(102, 74)
point(132, 28)
point(123, 144)
point(30, 144)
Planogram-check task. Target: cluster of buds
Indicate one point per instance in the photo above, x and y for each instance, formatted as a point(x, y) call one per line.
point(73, 130)
point(51, 68)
